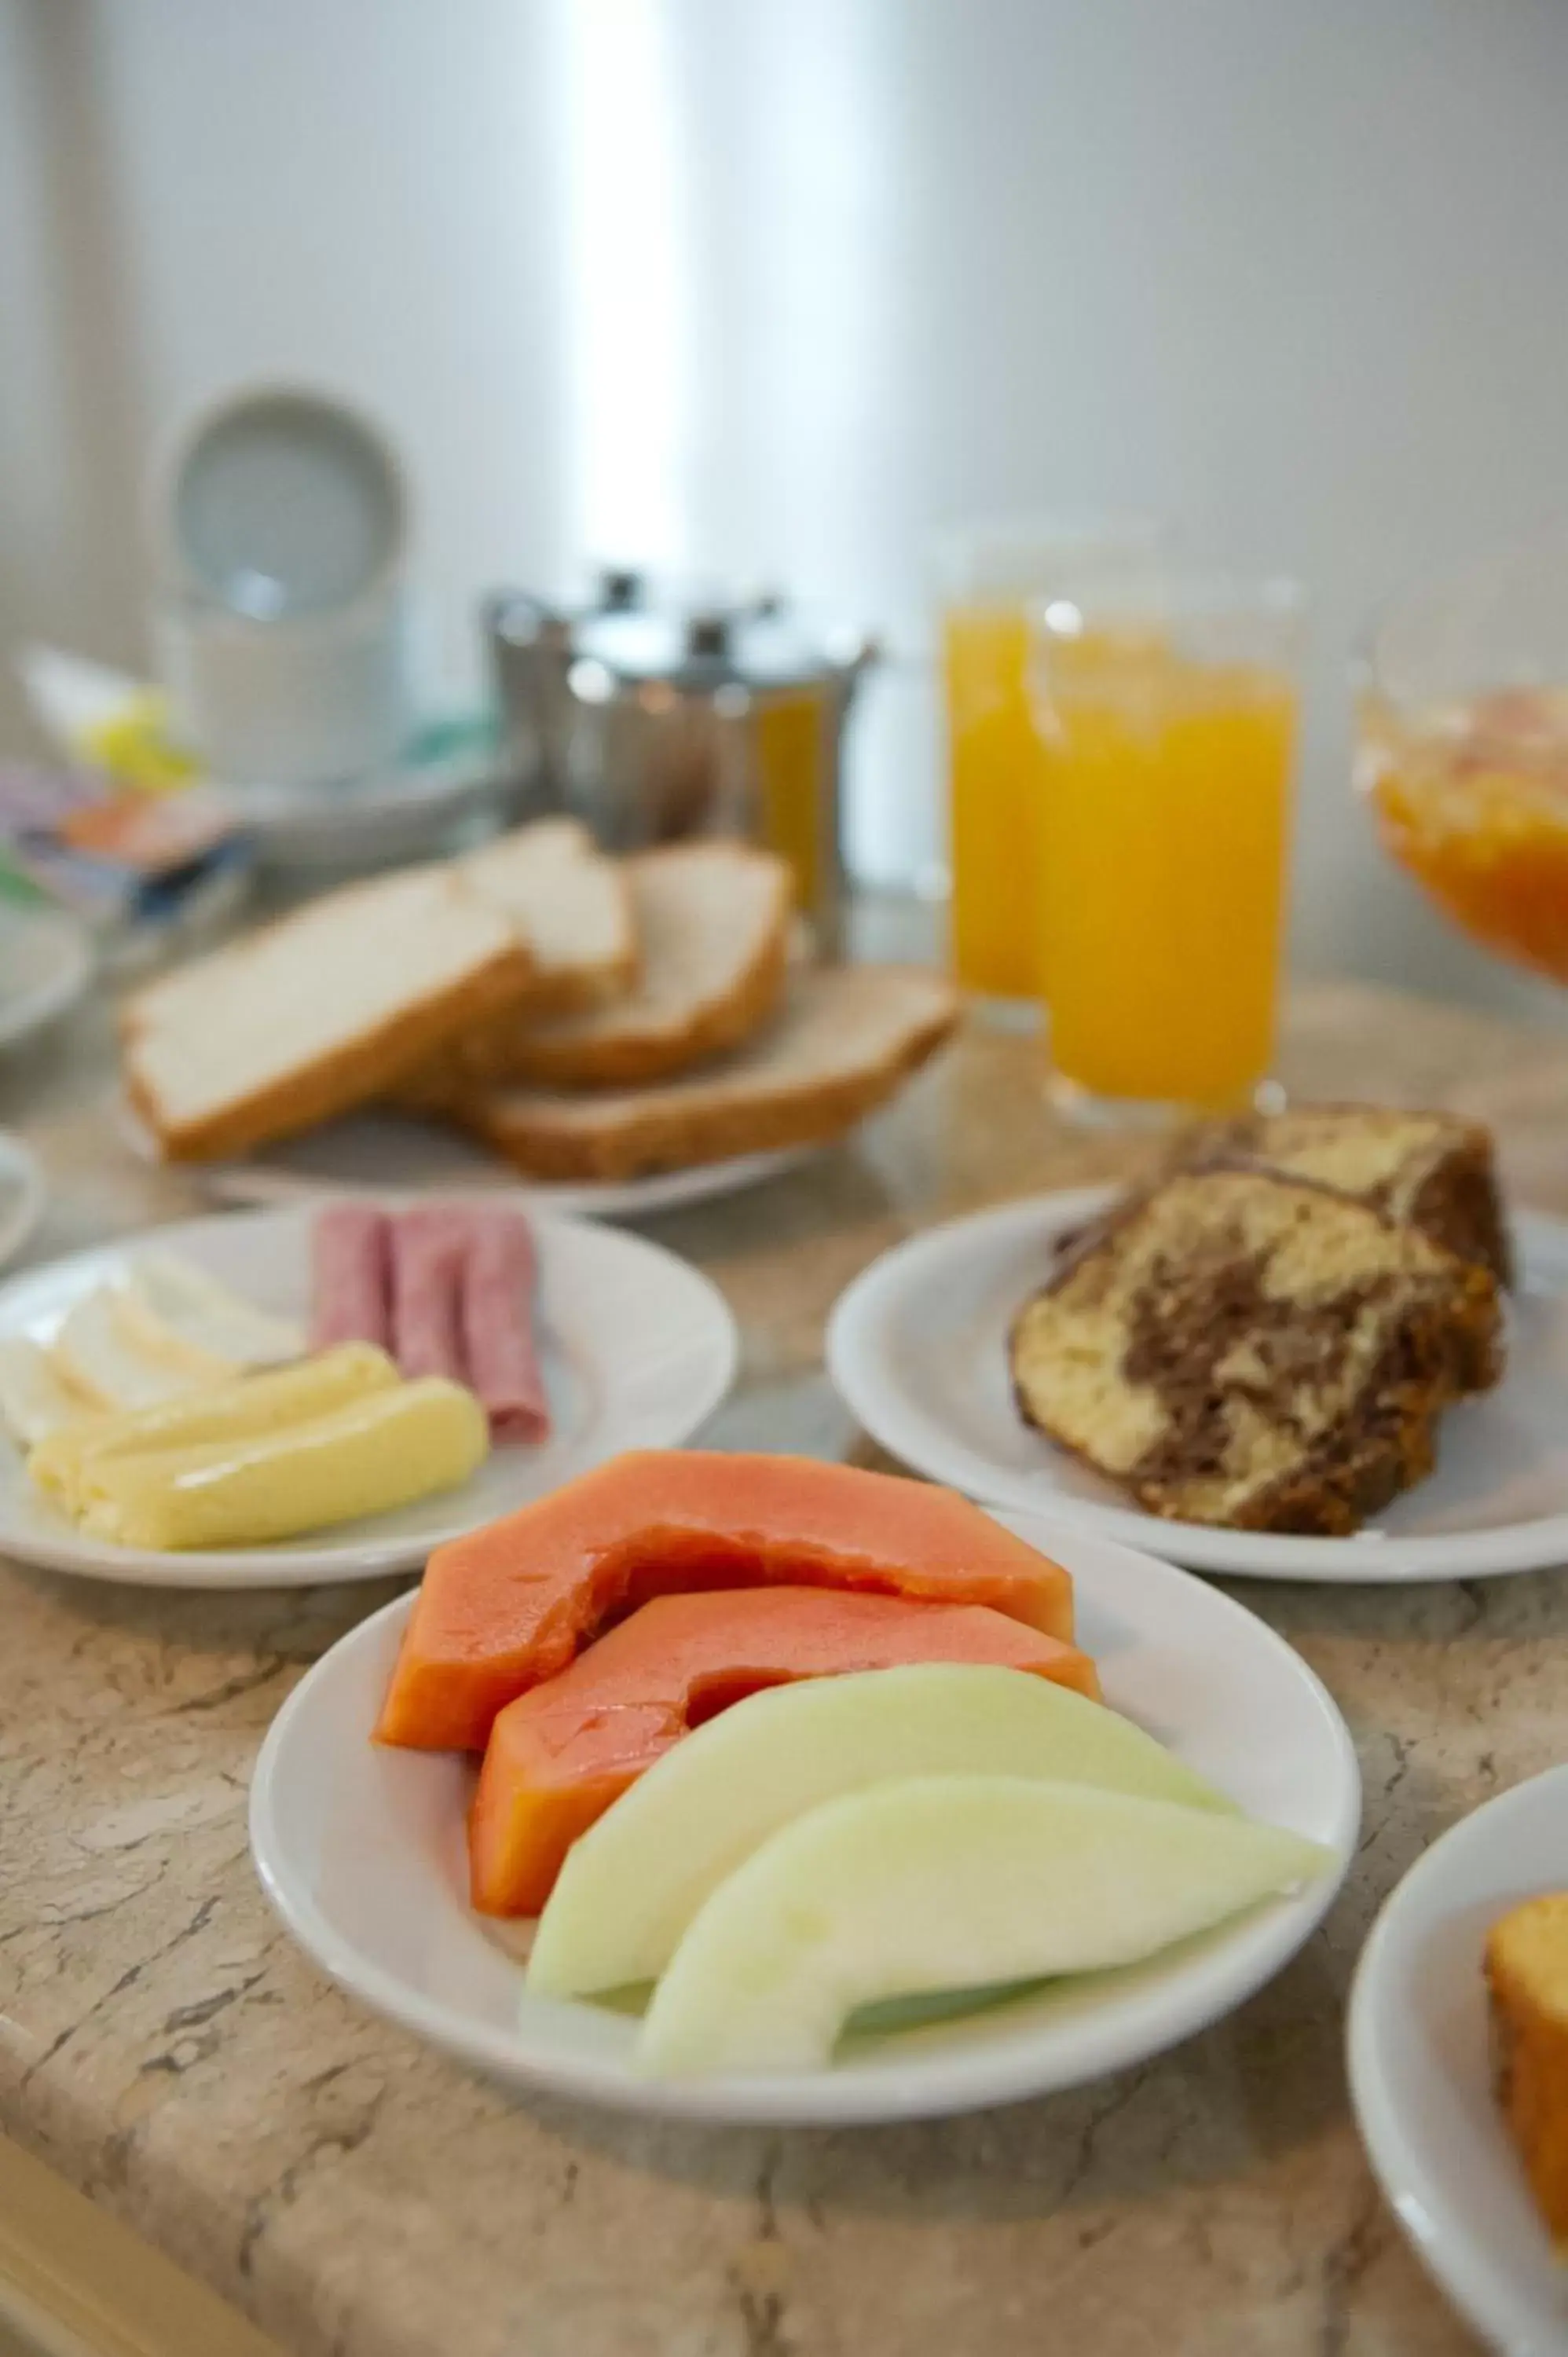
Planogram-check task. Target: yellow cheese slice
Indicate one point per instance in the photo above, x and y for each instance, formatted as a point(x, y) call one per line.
point(240, 1409)
point(377, 1452)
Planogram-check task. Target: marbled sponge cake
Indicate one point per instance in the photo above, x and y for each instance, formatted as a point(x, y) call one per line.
point(1429, 1171)
point(1242, 1349)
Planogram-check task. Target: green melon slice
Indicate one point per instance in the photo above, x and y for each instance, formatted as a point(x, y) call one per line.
point(944, 1882)
point(633, 1882)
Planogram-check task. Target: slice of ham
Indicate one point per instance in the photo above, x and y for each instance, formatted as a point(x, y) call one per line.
point(499, 1283)
point(448, 1288)
point(429, 1245)
point(350, 1276)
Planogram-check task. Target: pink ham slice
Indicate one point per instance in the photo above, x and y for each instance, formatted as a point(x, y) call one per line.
point(448, 1290)
point(350, 1276)
point(429, 1245)
point(500, 1281)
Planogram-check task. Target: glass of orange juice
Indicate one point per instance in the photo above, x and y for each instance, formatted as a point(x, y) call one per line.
point(1167, 730)
point(990, 576)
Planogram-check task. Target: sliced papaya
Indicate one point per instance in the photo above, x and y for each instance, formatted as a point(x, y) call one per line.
point(505, 1607)
point(559, 1754)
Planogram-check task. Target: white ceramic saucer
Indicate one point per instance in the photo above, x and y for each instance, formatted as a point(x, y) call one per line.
point(918, 1351)
point(394, 815)
point(360, 1849)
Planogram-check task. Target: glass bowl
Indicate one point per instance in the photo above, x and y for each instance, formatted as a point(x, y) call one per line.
point(1463, 746)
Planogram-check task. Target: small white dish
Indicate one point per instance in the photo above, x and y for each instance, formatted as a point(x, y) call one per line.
point(361, 1851)
point(392, 1154)
point(1421, 2068)
point(395, 812)
point(46, 966)
point(918, 1351)
point(23, 1195)
point(637, 1348)
point(283, 628)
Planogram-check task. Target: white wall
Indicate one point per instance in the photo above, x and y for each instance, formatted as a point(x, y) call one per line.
point(790, 282)
point(69, 408)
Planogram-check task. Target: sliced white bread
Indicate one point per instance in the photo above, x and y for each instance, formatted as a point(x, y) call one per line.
point(571, 905)
point(713, 927)
point(318, 1012)
point(846, 1038)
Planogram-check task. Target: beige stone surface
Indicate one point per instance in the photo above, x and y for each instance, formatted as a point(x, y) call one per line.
point(164, 2047)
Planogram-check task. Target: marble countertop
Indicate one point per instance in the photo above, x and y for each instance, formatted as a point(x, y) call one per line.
point(167, 2050)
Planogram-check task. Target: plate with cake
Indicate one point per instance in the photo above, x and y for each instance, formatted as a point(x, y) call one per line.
point(1307, 1346)
point(1458, 2050)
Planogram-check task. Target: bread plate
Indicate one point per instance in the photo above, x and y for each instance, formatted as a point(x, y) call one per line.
point(1421, 2068)
point(397, 1154)
point(360, 1849)
point(637, 1349)
point(918, 1351)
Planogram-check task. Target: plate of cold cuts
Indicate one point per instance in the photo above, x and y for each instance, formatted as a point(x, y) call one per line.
point(276, 1398)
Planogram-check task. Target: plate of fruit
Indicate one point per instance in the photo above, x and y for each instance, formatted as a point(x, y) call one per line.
point(763, 1789)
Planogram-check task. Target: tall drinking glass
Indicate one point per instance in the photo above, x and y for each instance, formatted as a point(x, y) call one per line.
point(990, 576)
point(1168, 733)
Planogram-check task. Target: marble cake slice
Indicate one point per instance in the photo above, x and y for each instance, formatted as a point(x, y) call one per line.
point(1248, 1349)
point(1431, 1170)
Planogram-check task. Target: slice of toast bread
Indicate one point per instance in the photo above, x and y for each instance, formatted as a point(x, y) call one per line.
point(319, 1011)
point(844, 1039)
point(713, 932)
point(572, 907)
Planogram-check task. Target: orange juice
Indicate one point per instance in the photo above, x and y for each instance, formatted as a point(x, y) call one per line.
point(1167, 805)
point(995, 759)
point(793, 818)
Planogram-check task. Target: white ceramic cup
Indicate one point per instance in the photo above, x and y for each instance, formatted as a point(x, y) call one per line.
point(282, 518)
point(315, 700)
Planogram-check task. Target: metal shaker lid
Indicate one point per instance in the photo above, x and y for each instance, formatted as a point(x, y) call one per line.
point(760, 647)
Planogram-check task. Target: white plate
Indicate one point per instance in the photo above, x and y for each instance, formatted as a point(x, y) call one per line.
point(1420, 2069)
point(389, 1153)
point(394, 815)
point(23, 1195)
point(639, 1350)
point(917, 1350)
point(360, 1849)
point(45, 965)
